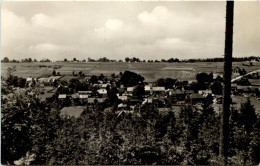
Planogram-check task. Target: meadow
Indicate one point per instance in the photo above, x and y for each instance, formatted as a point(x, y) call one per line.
point(150, 71)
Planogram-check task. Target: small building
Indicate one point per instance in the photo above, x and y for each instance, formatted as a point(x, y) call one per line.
point(205, 92)
point(158, 91)
point(28, 80)
point(130, 90)
point(189, 92)
point(147, 101)
point(62, 96)
point(147, 90)
point(123, 98)
point(178, 94)
point(102, 92)
point(83, 96)
point(121, 106)
point(104, 86)
point(85, 92)
point(75, 96)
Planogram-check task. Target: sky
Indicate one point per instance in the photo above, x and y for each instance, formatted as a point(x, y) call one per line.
point(147, 30)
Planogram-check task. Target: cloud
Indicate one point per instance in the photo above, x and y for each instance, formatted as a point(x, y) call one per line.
point(44, 47)
point(114, 25)
point(174, 43)
point(157, 15)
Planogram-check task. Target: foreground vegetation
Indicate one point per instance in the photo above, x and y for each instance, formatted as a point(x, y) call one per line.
point(33, 133)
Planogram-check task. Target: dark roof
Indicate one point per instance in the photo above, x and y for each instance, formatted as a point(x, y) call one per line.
point(196, 96)
point(177, 91)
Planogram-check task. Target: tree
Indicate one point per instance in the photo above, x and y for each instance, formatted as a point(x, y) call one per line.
point(203, 78)
point(129, 78)
point(21, 82)
point(127, 59)
point(93, 79)
point(216, 88)
point(139, 91)
point(5, 60)
point(74, 59)
point(247, 116)
point(112, 96)
point(54, 73)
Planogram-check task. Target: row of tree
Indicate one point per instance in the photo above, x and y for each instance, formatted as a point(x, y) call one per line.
point(134, 59)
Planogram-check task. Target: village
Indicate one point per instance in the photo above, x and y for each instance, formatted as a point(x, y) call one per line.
point(128, 92)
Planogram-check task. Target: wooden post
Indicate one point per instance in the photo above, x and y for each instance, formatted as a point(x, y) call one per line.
point(224, 130)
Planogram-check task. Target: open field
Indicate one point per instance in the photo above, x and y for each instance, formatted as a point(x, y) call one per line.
point(151, 71)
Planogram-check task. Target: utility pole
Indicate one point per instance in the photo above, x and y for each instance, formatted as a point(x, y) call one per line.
point(224, 130)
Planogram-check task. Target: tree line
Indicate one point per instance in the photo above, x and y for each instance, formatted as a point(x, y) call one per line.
point(135, 59)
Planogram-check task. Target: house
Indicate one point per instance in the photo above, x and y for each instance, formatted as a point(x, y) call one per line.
point(85, 92)
point(164, 111)
point(147, 89)
point(217, 76)
point(147, 101)
point(102, 92)
point(197, 98)
point(130, 90)
point(189, 92)
point(121, 106)
point(73, 111)
point(179, 94)
point(205, 92)
point(62, 96)
point(158, 91)
point(133, 101)
point(28, 80)
point(123, 98)
point(180, 103)
point(75, 96)
point(83, 96)
point(104, 86)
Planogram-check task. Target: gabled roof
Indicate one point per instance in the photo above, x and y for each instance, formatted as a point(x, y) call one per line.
point(85, 92)
point(75, 95)
point(176, 92)
point(189, 91)
point(121, 105)
point(104, 85)
point(205, 91)
point(147, 88)
point(158, 88)
point(122, 97)
point(102, 91)
point(83, 96)
point(196, 96)
point(29, 79)
point(62, 96)
point(130, 89)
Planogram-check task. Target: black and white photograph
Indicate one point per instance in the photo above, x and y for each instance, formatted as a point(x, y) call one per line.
point(130, 82)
